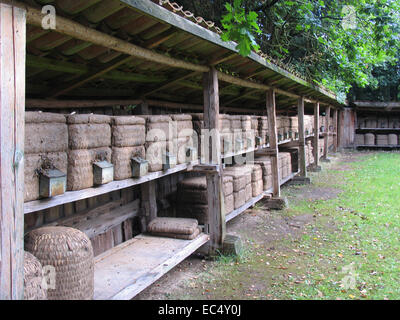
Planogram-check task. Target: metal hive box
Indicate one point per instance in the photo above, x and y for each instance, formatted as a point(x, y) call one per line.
point(103, 172)
point(52, 182)
point(169, 161)
point(191, 154)
point(140, 167)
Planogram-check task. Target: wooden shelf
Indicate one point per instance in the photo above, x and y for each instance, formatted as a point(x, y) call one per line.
point(71, 196)
point(233, 154)
point(254, 200)
point(125, 270)
point(247, 205)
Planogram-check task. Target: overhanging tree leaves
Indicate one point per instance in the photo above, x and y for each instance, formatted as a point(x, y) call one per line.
point(334, 43)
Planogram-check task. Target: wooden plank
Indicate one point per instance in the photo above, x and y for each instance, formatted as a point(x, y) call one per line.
point(88, 214)
point(216, 213)
point(106, 70)
point(12, 122)
point(377, 104)
point(105, 222)
point(316, 135)
point(327, 118)
point(273, 140)
point(125, 270)
point(127, 229)
point(59, 104)
point(302, 140)
point(72, 196)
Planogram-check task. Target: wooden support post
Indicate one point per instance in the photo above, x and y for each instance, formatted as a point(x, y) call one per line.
point(326, 133)
point(273, 141)
point(335, 130)
point(12, 123)
point(216, 213)
point(315, 166)
point(149, 203)
point(302, 140)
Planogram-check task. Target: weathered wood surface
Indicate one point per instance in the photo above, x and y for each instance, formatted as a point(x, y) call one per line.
point(76, 30)
point(316, 135)
point(377, 105)
point(326, 135)
point(72, 196)
point(335, 128)
point(12, 123)
point(347, 124)
point(302, 139)
point(273, 140)
point(105, 222)
point(149, 201)
point(216, 213)
point(124, 271)
point(161, 13)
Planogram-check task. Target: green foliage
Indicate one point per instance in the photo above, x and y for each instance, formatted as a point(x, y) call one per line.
point(338, 44)
point(240, 27)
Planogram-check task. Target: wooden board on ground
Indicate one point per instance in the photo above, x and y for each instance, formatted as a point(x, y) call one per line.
point(125, 270)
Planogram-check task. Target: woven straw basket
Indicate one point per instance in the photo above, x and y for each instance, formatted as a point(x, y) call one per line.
point(70, 252)
point(33, 278)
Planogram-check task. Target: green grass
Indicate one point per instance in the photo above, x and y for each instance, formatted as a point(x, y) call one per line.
point(354, 236)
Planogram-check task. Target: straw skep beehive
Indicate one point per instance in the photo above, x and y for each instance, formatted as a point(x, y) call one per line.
point(46, 145)
point(70, 252)
point(34, 288)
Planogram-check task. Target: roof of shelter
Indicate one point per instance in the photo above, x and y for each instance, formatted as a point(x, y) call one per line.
point(62, 66)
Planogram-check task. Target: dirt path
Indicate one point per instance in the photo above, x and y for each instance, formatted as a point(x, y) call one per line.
point(264, 233)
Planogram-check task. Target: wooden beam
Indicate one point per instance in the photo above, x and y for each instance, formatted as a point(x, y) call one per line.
point(302, 140)
point(273, 141)
point(169, 83)
point(216, 213)
point(150, 44)
point(74, 104)
point(78, 31)
point(241, 82)
point(244, 94)
point(316, 135)
point(80, 69)
point(12, 123)
point(377, 104)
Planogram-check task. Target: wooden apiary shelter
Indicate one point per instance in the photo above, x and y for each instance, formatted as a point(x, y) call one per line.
point(127, 57)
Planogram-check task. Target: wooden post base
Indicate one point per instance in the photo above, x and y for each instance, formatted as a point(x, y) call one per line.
point(232, 245)
point(276, 203)
point(314, 168)
point(326, 160)
point(300, 181)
